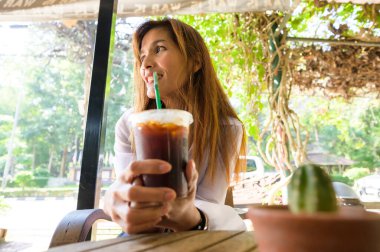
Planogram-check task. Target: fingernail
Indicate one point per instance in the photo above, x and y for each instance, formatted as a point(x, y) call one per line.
point(169, 196)
point(165, 209)
point(164, 167)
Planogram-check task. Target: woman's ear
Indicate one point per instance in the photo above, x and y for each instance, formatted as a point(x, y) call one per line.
point(196, 64)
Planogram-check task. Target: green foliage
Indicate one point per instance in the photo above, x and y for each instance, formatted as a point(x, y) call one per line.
point(40, 177)
point(29, 179)
point(350, 129)
point(40, 172)
point(332, 20)
point(120, 97)
point(41, 192)
point(3, 206)
point(10, 183)
point(342, 178)
point(52, 94)
point(55, 119)
point(24, 179)
point(6, 123)
point(39, 181)
point(238, 58)
point(53, 79)
point(356, 173)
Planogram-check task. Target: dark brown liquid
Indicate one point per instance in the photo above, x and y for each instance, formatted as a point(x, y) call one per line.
point(166, 142)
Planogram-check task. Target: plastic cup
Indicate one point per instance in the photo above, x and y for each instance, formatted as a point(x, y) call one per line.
point(163, 134)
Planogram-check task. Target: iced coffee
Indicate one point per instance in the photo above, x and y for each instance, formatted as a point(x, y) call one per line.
point(163, 134)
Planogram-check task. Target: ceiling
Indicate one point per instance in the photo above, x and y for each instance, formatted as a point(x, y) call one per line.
point(44, 10)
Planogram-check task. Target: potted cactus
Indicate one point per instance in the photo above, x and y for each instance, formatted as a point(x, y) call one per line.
point(312, 220)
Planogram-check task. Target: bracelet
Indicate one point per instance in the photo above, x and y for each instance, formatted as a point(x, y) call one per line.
point(203, 223)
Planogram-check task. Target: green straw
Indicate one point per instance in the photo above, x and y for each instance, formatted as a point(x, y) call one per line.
point(157, 92)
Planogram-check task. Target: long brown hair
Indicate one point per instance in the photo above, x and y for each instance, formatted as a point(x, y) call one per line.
point(202, 95)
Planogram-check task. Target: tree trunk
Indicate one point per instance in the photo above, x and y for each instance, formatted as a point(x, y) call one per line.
point(341, 170)
point(8, 163)
point(329, 169)
point(34, 158)
point(76, 151)
point(51, 157)
point(316, 133)
point(12, 167)
point(63, 163)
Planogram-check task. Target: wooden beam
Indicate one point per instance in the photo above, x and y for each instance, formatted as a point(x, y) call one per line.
point(334, 42)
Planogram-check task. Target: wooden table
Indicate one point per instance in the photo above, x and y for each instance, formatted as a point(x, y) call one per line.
point(234, 241)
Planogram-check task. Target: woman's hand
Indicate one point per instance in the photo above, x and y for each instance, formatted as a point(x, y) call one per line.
point(182, 214)
point(134, 207)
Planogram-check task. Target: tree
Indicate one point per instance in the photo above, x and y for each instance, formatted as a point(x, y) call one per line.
point(348, 129)
point(57, 73)
point(78, 42)
point(237, 55)
point(336, 21)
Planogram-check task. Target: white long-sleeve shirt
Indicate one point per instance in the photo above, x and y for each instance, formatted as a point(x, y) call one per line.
point(210, 195)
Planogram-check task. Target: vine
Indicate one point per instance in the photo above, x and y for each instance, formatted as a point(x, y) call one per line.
point(279, 142)
point(240, 45)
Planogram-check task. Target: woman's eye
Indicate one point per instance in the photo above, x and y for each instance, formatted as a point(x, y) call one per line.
point(159, 49)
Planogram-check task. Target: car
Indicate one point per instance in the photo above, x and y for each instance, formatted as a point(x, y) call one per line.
point(255, 165)
point(346, 195)
point(369, 185)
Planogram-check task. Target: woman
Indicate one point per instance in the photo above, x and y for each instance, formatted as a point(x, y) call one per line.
point(187, 81)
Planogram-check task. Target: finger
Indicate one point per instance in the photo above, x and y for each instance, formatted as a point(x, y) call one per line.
point(144, 227)
point(191, 175)
point(140, 205)
point(115, 216)
point(151, 194)
point(116, 209)
point(191, 171)
point(137, 181)
point(132, 216)
point(137, 193)
point(121, 193)
point(148, 166)
point(139, 216)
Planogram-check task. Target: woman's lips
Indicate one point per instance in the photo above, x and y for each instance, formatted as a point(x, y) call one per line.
point(150, 80)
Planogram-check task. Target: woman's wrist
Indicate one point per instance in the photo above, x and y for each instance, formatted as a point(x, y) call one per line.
point(188, 221)
point(203, 223)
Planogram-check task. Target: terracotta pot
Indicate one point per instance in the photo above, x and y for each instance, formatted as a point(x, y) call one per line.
point(351, 229)
point(3, 233)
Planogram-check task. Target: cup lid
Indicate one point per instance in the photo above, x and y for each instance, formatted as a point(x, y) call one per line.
point(176, 116)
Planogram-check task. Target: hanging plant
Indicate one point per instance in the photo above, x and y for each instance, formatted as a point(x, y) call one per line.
point(279, 142)
point(250, 64)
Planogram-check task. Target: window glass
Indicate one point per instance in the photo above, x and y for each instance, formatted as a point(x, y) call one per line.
point(45, 73)
point(43, 80)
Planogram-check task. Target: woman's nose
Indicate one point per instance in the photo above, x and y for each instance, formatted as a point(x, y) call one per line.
point(147, 62)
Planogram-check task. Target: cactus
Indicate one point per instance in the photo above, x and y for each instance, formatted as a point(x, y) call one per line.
point(310, 190)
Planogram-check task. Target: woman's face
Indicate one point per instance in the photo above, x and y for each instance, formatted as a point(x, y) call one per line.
point(160, 54)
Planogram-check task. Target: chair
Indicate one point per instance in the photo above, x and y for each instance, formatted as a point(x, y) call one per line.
point(76, 225)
